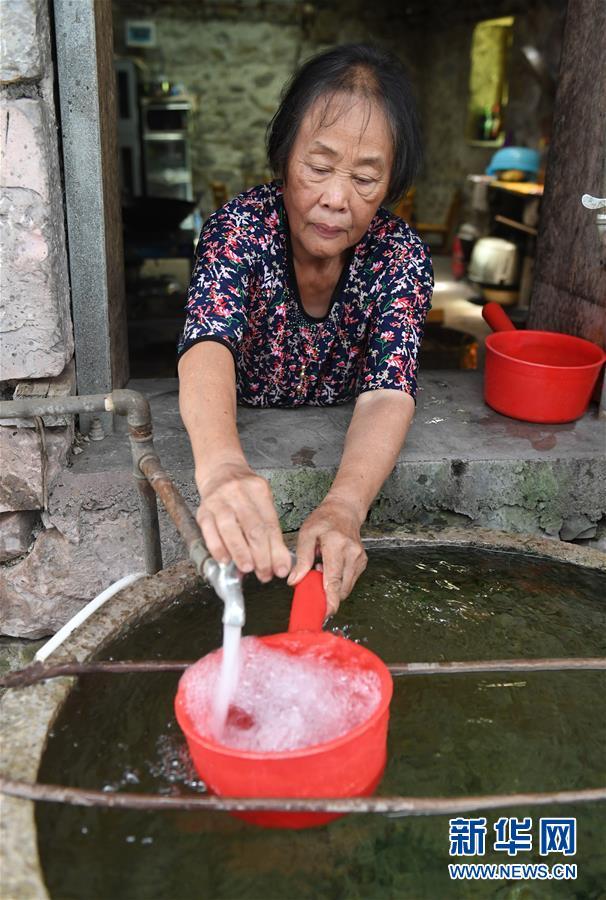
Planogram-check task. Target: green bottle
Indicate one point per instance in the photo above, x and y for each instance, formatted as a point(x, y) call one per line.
point(487, 123)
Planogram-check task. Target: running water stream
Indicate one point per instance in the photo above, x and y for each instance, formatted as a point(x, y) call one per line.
point(228, 678)
point(226, 580)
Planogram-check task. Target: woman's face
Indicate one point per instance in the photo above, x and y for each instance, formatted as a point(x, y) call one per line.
point(337, 176)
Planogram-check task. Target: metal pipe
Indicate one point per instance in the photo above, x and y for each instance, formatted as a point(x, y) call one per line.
point(123, 402)
point(226, 580)
point(151, 480)
point(391, 806)
point(137, 410)
point(150, 526)
point(36, 672)
point(131, 404)
point(176, 507)
point(50, 406)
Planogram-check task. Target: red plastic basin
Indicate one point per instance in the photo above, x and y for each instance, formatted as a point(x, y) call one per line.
point(349, 766)
point(538, 376)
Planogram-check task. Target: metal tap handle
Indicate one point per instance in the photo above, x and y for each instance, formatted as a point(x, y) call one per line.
point(590, 202)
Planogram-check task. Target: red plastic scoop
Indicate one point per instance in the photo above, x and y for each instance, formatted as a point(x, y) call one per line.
point(348, 766)
point(538, 376)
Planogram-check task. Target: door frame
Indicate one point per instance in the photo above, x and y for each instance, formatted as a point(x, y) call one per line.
point(83, 39)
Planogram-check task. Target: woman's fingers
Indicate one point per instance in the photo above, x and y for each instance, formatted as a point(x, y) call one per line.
point(332, 530)
point(344, 561)
point(216, 547)
point(232, 536)
point(240, 521)
point(255, 535)
point(333, 562)
point(306, 554)
point(279, 556)
point(281, 560)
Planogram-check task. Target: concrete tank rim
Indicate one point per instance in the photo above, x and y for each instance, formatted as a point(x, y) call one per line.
point(38, 705)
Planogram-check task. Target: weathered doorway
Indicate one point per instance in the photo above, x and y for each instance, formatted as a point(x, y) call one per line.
point(570, 276)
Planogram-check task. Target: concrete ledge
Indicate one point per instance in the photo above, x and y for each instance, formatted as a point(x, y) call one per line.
point(463, 464)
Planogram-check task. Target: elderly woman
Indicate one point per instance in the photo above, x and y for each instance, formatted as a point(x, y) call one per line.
point(307, 290)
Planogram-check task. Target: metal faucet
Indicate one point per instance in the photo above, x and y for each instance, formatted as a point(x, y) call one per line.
point(226, 581)
point(599, 203)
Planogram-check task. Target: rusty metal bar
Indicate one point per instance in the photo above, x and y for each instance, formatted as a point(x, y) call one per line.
point(150, 526)
point(527, 229)
point(497, 665)
point(148, 470)
point(153, 480)
point(177, 509)
point(137, 410)
point(393, 806)
point(39, 672)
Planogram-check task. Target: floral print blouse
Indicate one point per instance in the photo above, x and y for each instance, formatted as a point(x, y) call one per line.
point(244, 294)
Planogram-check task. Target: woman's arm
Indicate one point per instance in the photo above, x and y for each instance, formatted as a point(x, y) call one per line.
point(374, 439)
point(375, 436)
point(236, 513)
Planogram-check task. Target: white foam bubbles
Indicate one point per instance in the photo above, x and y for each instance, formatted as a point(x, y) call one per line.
point(282, 701)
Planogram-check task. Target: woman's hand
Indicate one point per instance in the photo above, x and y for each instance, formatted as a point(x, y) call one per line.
point(239, 521)
point(332, 531)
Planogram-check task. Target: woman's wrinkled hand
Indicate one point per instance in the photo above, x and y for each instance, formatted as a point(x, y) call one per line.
point(332, 531)
point(239, 521)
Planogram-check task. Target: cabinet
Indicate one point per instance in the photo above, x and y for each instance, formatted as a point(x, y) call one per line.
point(166, 151)
point(520, 215)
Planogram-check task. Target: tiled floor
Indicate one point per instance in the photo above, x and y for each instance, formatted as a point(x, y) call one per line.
point(453, 297)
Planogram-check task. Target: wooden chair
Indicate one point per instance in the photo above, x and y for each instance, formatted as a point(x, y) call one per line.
point(444, 229)
point(404, 208)
point(219, 192)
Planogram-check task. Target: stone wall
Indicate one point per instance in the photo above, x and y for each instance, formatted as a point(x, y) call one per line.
point(234, 63)
point(36, 343)
point(233, 66)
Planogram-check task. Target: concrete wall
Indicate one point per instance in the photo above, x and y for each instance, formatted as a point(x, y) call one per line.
point(36, 333)
point(36, 343)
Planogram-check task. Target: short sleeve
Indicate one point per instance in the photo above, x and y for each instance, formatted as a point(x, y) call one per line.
point(218, 297)
point(403, 298)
